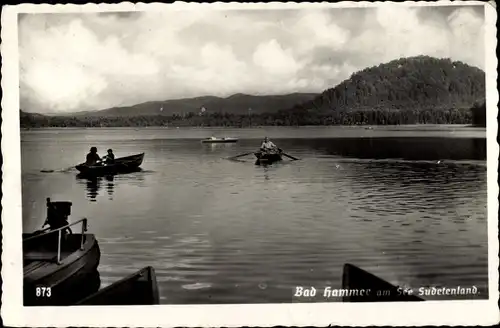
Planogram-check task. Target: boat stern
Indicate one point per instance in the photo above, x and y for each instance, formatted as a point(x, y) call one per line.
point(48, 281)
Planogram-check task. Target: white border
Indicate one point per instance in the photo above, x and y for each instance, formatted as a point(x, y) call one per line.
point(319, 314)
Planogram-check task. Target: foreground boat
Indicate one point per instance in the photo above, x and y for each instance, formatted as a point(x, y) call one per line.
point(60, 268)
point(139, 288)
point(219, 140)
point(267, 158)
point(356, 280)
point(121, 165)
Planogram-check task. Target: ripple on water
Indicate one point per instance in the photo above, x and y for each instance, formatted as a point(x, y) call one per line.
point(198, 285)
point(208, 225)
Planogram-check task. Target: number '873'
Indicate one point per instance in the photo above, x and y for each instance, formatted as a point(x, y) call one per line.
point(43, 291)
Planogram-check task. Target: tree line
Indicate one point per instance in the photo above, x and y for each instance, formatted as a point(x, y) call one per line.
point(479, 114)
point(297, 117)
point(415, 90)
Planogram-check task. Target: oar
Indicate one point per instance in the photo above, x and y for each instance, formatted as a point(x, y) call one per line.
point(241, 155)
point(291, 157)
point(65, 169)
point(60, 170)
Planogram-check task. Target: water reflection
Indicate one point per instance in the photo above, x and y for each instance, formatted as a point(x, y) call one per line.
point(214, 147)
point(110, 187)
point(266, 172)
point(408, 148)
point(94, 184)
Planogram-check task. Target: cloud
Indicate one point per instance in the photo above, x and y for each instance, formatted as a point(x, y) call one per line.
point(467, 36)
point(72, 62)
point(274, 60)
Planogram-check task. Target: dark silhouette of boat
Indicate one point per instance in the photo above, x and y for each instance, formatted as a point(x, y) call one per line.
point(219, 140)
point(355, 280)
point(59, 266)
point(121, 165)
point(140, 288)
point(267, 158)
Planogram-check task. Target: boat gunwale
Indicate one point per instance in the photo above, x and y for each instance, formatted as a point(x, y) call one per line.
point(349, 274)
point(52, 267)
point(137, 160)
point(150, 276)
point(268, 157)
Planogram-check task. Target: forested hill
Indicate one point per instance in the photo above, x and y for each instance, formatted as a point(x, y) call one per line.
point(235, 104)
point(416, 90)
point(409, 83)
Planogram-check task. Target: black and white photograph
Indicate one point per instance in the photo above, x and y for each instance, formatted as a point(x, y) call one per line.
point(301, 156)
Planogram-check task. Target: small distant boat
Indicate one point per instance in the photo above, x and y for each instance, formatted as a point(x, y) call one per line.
point(357, 279)
point(267, 158)
point(60, 268)
point(219, 140)
point(140, 288)
point(121, 165)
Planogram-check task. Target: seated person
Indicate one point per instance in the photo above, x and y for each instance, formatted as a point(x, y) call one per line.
point(92, 157)
point(268, 146)
point(110, 157)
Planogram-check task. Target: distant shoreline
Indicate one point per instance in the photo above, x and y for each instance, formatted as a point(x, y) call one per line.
point(413, 90)
point(292, 118)
point(366, 127)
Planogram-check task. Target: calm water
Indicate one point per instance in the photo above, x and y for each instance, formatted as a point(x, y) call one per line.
point(220, 231)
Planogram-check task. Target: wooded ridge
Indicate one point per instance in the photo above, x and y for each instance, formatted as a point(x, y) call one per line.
point(404, 91)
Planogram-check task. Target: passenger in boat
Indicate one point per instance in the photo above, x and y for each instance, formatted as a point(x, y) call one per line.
point(93, 157)
point(110, 157)
point(268, 146)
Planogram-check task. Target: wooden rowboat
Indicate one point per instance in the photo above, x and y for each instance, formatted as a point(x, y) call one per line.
point(356, 280)
point(60, 268)
point(121, 165)
point(219, 140)
point(267, 158)
point(140, 288)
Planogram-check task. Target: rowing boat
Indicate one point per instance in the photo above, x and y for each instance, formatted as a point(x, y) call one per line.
point(267, 158)
point(367, 287)
point(139, 288)
point(59, 268)
point(219, 140)
point(121, 165)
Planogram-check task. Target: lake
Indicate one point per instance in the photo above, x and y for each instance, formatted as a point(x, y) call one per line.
point(405, 203)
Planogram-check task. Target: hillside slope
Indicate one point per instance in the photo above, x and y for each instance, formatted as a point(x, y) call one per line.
point(416, 90)
point(235, 104)
point(409, 83)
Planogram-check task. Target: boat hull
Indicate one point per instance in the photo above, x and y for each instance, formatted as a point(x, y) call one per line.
point(267, 158)
point(122, 165)
point(219, 141)
point(140, 288)
point(74, 278)
point(354, 278)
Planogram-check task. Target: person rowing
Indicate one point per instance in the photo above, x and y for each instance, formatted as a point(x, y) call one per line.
point(92, 157)
point(268, 146)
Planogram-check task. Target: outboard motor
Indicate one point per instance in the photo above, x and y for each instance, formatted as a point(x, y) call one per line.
point(57, 214)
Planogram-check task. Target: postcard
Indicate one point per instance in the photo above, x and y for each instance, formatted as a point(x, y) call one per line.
point(238, 164)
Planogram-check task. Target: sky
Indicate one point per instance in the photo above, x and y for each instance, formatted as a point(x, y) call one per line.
point(93, 61)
